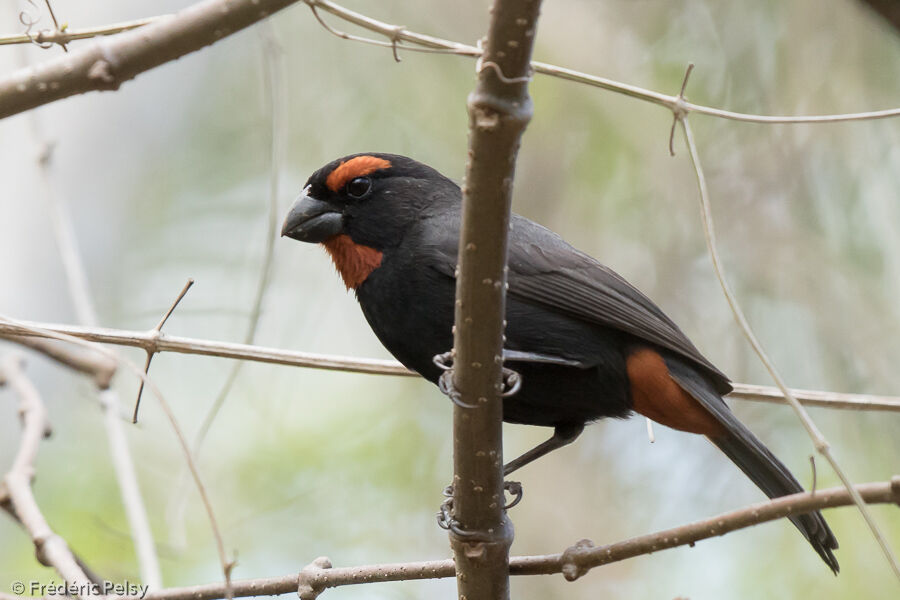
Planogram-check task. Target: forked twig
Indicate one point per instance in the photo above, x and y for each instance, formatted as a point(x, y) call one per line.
point(151, 351)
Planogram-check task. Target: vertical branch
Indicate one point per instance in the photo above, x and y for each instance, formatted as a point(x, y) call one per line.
point(499, 111)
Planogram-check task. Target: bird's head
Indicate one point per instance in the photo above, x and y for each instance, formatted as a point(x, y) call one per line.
point(361, 205)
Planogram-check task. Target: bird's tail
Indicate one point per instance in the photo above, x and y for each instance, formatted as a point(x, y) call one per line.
point(755, 460)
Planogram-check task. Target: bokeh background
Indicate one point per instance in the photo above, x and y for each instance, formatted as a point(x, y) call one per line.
point(169, 178)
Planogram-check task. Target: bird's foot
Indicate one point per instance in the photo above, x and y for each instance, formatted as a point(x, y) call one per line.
point(514, 488)
point(444, 361)
point(511, 382)
point(446, 520)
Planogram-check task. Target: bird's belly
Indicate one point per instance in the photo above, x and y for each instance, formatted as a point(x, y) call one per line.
point(554, 395)
point(418, 325)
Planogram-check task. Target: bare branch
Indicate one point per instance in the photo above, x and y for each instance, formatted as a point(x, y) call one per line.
point(499, 111)
point(49, 79)
point(821, 444)
point(670, 102)
point(767, 393)
point(226, 563)
point(184, 345)
point(276, 108)
point(97, 366)
point(576, 559)
point(80, 293)
point(108, 63)
point(51, 550)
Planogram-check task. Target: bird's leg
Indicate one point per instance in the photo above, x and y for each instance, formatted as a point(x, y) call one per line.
point(563, 435)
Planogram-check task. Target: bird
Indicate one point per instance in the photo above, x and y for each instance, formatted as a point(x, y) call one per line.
point(585, 343)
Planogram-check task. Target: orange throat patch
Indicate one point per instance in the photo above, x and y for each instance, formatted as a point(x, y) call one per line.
point(353, 261)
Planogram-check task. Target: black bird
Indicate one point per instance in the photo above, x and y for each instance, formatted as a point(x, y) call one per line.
point(586, 343)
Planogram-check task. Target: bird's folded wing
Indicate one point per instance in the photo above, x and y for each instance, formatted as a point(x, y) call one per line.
point(545, 270)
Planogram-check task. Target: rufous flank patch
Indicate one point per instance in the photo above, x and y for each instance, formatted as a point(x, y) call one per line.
point(657, 396)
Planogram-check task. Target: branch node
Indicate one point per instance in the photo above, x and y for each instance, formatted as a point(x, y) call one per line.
point(679, 108)
point(514, 488)
point(152, 344)
point(101, 71)
point(398, 30)
point(571, 563)
point(308, 584)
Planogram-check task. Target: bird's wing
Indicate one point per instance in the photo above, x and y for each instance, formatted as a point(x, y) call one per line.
point(545, 270)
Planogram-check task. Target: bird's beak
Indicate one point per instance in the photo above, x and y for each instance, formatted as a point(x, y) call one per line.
point(311, 220)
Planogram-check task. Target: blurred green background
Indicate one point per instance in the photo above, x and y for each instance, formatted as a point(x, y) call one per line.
point(169, 178)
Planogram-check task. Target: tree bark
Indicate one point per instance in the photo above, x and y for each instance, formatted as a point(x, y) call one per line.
point(499, 111)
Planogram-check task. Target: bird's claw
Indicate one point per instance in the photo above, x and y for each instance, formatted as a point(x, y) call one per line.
point(445, 384)
point(510, 385)
point(514, 488)
point(443, 361)
point(512, 382)
point(445, 517)
point(446, 520)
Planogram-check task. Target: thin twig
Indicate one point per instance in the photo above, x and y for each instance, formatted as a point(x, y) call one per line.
point(276, 106)
point(670, 102)
point(157, 330)
point(69, 35)
point(52, 77)
point(373, 366)
point(80, 294)
point(819, 441)
point(578, 559)
point(56, 28)
point(226, 563)
point(50, 548)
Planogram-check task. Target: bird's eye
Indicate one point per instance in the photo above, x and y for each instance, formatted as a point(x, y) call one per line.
point(359, 187)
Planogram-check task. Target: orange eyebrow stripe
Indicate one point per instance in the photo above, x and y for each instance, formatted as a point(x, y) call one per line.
point(353, 168)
